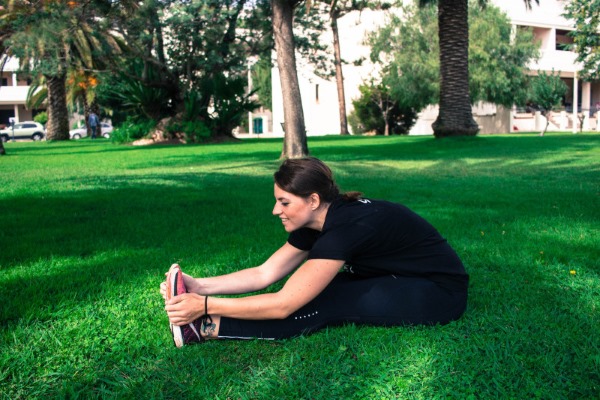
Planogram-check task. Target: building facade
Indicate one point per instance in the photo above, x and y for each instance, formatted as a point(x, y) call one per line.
point(550, 29)
point(13, 93)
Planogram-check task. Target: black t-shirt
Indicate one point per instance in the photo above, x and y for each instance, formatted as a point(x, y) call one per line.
point(376, 237)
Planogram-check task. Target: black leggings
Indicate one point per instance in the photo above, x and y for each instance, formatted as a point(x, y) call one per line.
point(384, 301)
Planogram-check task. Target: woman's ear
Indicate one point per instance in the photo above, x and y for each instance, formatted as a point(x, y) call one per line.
point(315, 201)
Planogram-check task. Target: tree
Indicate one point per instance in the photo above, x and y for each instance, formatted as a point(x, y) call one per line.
point(586, 36)
point(38, 38)
point(40, 48)
point(377, 110)
point(498, 57)
point(261, 80)
point(81, 89)
point(339, 75)
point(313, 20)
point(50, 38)
point(547, 92)
point(185, 49)
point(6, 30)
point(294, 143)
point(455, 116)
point(407, 47)
point(339, 8)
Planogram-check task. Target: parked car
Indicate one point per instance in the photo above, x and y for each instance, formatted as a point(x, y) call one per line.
point(82, 132)
point(23, 130)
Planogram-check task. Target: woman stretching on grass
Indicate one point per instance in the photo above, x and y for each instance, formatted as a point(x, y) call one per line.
point(354, 260)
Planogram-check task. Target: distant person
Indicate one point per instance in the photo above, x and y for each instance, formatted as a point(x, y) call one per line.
point(93, 122)
point(350, 259)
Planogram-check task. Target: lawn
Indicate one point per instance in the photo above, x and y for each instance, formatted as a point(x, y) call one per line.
point(89, 228)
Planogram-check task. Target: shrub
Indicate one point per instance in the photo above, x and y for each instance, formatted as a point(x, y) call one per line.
point(195, 131)
point(229, 103)
point(130, 131)
point(368, 112)
point(41, 118)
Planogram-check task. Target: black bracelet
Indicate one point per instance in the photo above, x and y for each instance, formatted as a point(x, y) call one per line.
point(206, 319)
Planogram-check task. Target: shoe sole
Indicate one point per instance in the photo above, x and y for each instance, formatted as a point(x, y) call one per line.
point(177, 331)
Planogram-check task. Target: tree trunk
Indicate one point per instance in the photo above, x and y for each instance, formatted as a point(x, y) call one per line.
point(86, 114)
point(339, 76)
point(547, 116)
point(456, 116)
point(2, 150)
point(58, 116)
point(294, 143)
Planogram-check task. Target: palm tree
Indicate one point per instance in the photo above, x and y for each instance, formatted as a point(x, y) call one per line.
point(6, 30)
point(81, 89)
point(52, 38)
point(455, 116)
point(455, 113)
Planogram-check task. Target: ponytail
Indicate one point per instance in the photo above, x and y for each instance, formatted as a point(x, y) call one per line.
point(352, 196)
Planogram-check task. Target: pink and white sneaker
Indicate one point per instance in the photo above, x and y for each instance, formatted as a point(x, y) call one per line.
point(186, 334)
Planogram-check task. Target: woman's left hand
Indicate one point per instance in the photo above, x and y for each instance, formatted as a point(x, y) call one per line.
point(185, 308)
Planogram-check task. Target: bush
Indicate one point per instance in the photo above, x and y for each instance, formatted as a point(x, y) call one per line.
point(130, 131)
point(194, 131)
point(229, 101)
point(367, 115)
point(41, 118)
point(355, 123)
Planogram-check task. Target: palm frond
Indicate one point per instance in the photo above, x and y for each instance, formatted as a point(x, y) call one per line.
point(37, 93)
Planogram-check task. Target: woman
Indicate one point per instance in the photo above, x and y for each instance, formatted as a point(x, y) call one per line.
point(353, 260)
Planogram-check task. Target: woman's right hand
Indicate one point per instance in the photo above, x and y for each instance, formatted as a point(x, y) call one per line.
point(163, 290)
point(191, 284)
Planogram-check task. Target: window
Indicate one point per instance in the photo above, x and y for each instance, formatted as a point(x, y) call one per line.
point(563, 40)
point(4, 82)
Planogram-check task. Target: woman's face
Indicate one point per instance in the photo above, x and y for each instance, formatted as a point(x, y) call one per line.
point(295, 212)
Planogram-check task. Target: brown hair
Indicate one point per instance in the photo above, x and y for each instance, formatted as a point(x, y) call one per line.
point(305, 176)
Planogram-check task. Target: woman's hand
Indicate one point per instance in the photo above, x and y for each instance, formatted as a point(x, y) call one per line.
point(185, 308)
point(163, 290)
point(190, 284)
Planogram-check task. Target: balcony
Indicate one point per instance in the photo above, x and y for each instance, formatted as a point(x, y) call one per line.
point(13, 94)
point(557, 60)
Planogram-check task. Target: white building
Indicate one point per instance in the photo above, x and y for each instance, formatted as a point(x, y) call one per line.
point(319, 96)
point(551, 29)
point(13, 92)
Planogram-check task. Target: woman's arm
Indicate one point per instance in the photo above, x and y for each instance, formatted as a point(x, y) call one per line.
point(304, 285)
point(279, 265)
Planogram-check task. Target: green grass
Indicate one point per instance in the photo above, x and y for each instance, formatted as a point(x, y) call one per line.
point(89, 228)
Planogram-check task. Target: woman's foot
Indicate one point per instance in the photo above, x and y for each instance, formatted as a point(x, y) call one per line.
point(185, 334)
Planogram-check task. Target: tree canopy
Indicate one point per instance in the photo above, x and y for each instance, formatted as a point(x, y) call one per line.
point(586, 36)
point(407, 48)
point(547, 92)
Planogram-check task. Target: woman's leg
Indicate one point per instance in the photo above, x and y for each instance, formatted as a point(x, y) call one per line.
point(386, 300)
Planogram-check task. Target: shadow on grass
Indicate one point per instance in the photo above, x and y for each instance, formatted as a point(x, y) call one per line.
point(494, 151)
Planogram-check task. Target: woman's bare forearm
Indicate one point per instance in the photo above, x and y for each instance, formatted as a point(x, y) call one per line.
point(243, 281)
point(280, 264)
